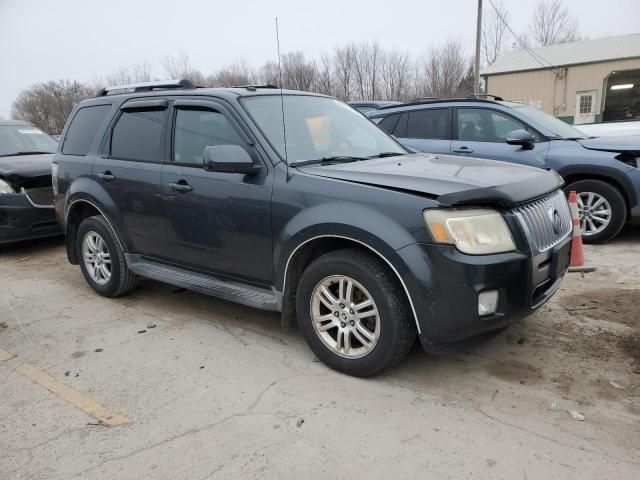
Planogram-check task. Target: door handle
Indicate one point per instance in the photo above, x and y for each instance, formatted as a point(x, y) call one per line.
point(462, 150)
point(106, 176)
point(181, 186)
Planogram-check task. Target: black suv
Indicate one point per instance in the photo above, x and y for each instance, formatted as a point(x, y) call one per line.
point(295, 202)
point(604, 171)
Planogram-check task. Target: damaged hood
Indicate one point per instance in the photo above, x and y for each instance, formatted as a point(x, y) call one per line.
point(630, 144)
point(24, 169)
point(450, 179)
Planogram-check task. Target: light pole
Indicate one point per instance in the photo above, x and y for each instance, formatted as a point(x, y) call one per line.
point(476, 70)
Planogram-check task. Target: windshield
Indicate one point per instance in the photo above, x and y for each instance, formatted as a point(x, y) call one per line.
point(558, 127)
point(25, 140)
point(318, 128)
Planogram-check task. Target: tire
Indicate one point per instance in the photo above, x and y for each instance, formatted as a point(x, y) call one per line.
point(393, 328)
point(616, 202)
point(121, 280)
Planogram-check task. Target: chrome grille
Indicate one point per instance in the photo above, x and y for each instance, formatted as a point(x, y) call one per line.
point(40, 197)
point(537, 220)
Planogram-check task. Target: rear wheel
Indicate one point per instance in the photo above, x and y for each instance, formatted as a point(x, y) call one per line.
point(602, 210)
point(353, 314)
point(102, 260)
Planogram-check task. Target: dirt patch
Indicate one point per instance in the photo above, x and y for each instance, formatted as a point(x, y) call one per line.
point(515, 371)
point(610, 304)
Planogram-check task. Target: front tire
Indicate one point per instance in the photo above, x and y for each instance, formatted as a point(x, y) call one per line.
point(102, 260)
point(602, 208)
point(353, 313)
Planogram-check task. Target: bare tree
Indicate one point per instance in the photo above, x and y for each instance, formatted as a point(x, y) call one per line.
point(237, 73)
point(179, 66)
point(343, 61)
point(396, 75)
point(494, 32)
point(324, 77)
point(443, 69)
point(553, 23)
point(298, 73)
point(367, 58)
point(48, 104)
point(270, 74)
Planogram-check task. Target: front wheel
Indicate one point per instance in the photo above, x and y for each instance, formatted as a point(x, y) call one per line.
point(602, 210)
point(353, 313)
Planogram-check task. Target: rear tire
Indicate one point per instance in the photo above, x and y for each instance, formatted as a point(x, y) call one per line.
point(367, 322)
point(595, 199)
point(102, 260)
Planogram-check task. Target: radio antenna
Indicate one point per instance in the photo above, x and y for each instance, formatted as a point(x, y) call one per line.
point(284, 128)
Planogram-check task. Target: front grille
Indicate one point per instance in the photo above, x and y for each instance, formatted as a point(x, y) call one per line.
point(41, 197)
point(537, 219)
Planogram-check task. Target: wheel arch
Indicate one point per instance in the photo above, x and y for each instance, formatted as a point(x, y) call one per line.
point(311, 248)
point(619, 182)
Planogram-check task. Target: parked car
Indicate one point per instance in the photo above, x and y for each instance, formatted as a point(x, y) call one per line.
point(610, 129)
point(26, 196)
point(604, 171)
point(328, 220)
point(366, 106)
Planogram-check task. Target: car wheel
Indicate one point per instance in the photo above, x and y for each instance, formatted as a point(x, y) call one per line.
point(602, 209)
point(102, 260)
point(353, 313)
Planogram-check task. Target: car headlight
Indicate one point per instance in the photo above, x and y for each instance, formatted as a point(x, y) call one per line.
point(473, 231)
point(5, 187)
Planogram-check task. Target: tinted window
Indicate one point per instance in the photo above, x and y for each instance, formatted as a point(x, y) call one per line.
point(137, 135)
point(483, 125)
point(432, 123)
point(389, 123)
point(83, 129)
point(365, 108)
point(198, 129)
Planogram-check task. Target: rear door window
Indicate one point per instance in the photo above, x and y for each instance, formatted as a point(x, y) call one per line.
point(429, 123)
point(389, 123)
point(83, 129)
point(138, 135)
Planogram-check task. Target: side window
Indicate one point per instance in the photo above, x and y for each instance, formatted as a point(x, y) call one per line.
point(484, 125)
point(430, 123)
point(138, 135)
point(83, 129)
point(197, 129)
point(389, 123)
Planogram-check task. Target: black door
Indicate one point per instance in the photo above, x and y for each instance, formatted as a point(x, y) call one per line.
point(218, 222)
point(129, 174)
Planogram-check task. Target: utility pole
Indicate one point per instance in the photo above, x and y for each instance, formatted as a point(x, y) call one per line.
point(476, 71)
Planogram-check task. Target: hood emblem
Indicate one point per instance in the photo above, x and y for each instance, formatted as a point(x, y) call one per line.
point(556, 220)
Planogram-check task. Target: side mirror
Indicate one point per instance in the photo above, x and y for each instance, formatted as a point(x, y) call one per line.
point(229, 159)
point(522, 138)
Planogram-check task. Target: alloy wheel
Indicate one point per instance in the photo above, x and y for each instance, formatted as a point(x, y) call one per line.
point(97, 259)
point(345, 316)
point(595, 212)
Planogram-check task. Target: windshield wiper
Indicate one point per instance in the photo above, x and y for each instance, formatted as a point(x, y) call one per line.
point(387, 154)
point(324, 160)
point(24, 152)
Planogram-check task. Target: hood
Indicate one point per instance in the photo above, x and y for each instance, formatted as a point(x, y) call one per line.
point(25, 169)
point(630, 144)
point(450, 179)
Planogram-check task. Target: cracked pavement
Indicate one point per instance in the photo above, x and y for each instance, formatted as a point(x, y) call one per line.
point(217, 390)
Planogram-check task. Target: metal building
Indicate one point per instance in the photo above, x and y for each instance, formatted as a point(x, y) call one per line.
point(579, 82)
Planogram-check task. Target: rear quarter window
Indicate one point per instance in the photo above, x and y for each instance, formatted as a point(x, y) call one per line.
point(83, 129)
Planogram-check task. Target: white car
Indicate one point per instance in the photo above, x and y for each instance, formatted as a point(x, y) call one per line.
point(610, 129)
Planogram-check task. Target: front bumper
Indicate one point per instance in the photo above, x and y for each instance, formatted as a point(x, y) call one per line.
point(21, 220)
point(444, 285)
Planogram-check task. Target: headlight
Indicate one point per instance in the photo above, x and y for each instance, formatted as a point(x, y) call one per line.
point(476, 232)
point(5, 187)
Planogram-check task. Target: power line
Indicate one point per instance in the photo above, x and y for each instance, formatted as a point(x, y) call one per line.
point(537, 57)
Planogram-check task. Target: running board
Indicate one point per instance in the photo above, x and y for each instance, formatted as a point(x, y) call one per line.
point(207, 284)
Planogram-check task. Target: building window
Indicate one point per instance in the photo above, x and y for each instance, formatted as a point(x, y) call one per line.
point(586, 103)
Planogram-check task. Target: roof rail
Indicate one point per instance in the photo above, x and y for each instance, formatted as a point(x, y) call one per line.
point(485, 96)
point(254, 87)
point(148, 86)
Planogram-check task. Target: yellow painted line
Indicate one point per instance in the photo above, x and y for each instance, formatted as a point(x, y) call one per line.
point(4, 355)
point(87, 404)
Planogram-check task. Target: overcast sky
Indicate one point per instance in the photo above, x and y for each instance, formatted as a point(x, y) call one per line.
point(84, 39)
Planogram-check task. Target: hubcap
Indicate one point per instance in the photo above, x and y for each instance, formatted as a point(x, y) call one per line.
point(345, 317)
point(97, 258)
point(595, 212)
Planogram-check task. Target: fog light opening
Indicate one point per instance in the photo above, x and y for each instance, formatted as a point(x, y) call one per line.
point(487, 302)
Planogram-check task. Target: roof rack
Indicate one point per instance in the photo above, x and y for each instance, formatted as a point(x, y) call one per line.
point(254, 87)
point(148, 86)
point(484, 96)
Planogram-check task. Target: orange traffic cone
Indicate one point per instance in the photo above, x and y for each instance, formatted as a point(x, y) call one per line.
point(577, 255)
